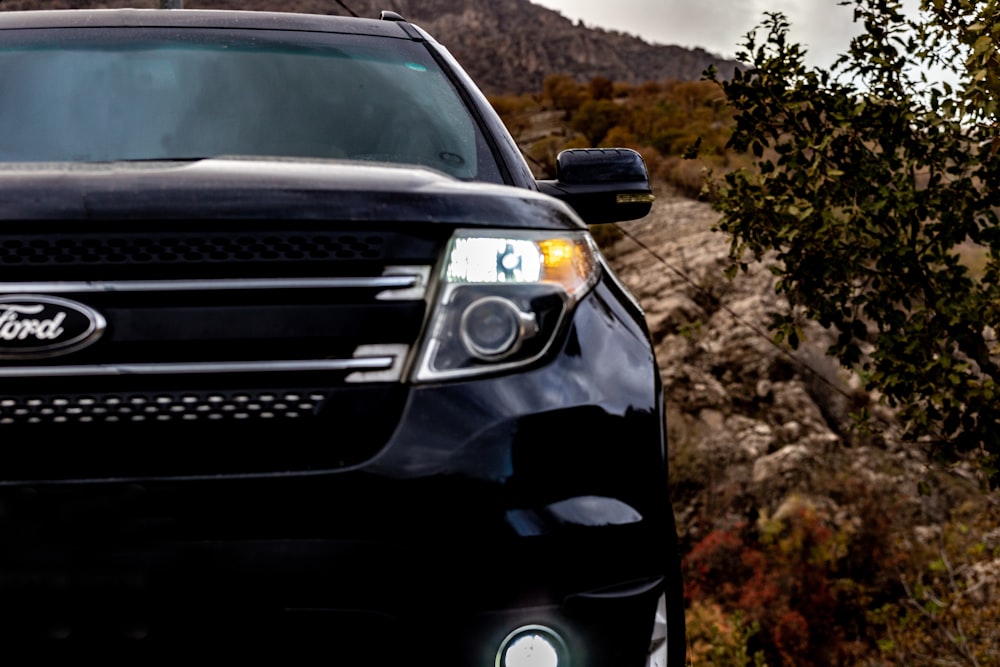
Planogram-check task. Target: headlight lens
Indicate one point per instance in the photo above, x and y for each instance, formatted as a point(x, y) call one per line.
point(494, 327)
point(503, 297)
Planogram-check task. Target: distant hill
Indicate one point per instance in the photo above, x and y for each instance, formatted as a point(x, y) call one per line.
point(508, 46)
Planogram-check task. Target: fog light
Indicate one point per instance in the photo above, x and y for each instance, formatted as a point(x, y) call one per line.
point(493, 327)
point(532, 646)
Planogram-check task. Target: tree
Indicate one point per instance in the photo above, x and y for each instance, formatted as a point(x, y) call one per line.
point(595, 118)
point(564, 92)
point(870, 184)
point(601, 88)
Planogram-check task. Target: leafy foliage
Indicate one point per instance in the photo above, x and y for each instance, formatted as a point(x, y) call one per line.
point(715, 638)
point(789, 578)
point(868, 184)
point(949, 609)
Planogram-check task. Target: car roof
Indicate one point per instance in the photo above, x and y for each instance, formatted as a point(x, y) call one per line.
point(205, 18)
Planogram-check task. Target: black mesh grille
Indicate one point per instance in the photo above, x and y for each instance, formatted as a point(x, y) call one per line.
point(160, 407)
point(193, 433)
point(117, 249)
point(200, 251)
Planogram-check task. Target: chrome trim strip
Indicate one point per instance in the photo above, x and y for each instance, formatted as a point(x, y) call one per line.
point(415, 291)
point(359, 364)
point(411, 280)
point(396, 352)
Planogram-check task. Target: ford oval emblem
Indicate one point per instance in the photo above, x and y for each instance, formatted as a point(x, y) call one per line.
point(34, 326)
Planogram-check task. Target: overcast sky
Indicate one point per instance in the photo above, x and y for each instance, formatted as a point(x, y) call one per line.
point(823, 27)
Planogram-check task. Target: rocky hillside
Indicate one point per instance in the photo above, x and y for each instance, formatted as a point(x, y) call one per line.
point(509, 46)
point(770, 422)
point(791, 516)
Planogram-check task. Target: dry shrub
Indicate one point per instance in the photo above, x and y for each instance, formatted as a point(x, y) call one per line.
point(950, 611)
point(686, 176)
point(719, 639)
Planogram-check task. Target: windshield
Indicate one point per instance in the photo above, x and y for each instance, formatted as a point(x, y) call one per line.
point(164, 94)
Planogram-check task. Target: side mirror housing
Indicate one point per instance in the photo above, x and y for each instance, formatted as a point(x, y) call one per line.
point(602, 184)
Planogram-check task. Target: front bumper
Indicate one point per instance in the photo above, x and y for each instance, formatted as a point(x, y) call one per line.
point(530, 499)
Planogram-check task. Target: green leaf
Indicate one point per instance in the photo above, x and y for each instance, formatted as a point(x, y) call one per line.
point(879, 180)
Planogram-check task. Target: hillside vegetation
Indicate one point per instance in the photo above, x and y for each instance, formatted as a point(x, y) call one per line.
point(665, 121)
point(809, 538)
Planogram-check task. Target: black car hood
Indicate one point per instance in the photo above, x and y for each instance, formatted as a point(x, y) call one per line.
point(246, 188)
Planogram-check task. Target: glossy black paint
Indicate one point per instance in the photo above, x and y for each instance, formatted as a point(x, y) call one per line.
point(249, 189)
point(440, 515)
point(608, 184)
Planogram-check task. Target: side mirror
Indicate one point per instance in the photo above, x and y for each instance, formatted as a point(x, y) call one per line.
point(602, 184)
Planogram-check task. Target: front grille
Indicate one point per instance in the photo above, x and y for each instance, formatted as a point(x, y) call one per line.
point(160, 407)
point(186, 433)
point(212, 333)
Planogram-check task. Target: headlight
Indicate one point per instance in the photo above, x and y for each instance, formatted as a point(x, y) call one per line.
point(503, 297)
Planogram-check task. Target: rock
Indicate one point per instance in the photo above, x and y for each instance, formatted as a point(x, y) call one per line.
point(750, 420)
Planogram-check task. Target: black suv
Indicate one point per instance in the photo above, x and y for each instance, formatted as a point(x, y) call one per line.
point(296, 353)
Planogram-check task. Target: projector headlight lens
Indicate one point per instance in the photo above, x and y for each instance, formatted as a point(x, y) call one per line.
point(494, 327)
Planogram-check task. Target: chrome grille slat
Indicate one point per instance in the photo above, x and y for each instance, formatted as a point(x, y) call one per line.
point(305, 365)
point(401, 281)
